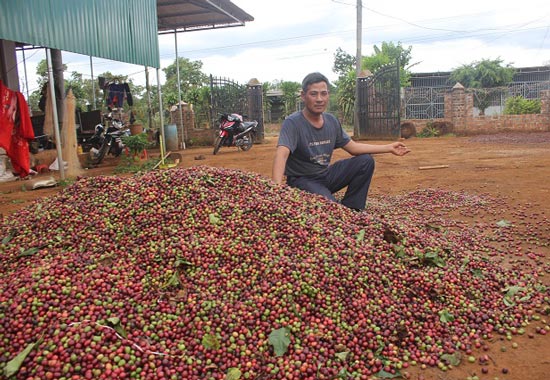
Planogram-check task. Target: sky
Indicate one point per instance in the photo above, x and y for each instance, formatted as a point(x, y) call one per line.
point(290, 38)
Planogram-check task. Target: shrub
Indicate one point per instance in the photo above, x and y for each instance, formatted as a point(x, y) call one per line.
point(430, 130)
point(136, 143)
point(518, 105)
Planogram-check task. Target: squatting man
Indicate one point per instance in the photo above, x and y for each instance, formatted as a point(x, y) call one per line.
point(307, 141)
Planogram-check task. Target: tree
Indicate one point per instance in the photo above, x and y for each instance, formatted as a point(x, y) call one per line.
point(76, 84)
point(483, 75)
point(290, 95)
point(42, 72)
point(193, 85)
point(343, 63)
point(387, 54)
point(346, 96)
point(191, 78)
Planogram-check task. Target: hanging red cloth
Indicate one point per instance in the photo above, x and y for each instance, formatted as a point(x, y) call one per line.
point(15, 129)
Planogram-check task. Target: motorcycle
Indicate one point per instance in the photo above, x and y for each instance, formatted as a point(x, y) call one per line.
point(107, 140)
point(234, 131)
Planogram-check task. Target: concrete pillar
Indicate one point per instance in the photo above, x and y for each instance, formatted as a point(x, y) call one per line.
point(255, 107)
point(456, 105)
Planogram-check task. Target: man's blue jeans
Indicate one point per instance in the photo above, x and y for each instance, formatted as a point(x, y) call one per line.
point(355, 173)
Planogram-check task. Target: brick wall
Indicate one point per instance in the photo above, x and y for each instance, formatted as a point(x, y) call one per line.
point(459, 112)
point(193, 136)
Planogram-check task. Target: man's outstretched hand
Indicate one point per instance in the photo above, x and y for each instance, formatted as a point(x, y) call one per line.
point(399, 149)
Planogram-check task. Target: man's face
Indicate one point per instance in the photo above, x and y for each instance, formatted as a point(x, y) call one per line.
point(316, 98)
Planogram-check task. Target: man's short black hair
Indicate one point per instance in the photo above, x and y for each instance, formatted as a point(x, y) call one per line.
point(314, 78)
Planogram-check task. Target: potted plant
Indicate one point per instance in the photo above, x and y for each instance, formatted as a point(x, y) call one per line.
point(136, 144)
point(136, 128)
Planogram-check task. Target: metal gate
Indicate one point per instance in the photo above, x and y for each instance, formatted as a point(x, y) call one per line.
point(228, 96)
point(379, 104)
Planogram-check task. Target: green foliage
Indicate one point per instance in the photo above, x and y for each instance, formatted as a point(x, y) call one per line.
point(136, 143)
point(430, 257)
point(81, 89)
point(387, 54)
point(211, 342)
point(483, 74)
point(518, 105)
point(194, 87)
point(346, 96)
point(343, 63)
point(127, 164)
point(290, 95)
point(445, 316)
point(428, 131)
point(13, 366)
point(280, 340)
point(233, 374)
point(191, 80)
point(66, 182)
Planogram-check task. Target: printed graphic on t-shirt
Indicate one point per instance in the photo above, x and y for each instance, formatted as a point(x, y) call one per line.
point(318, 154)
point(321, 159)
point(317, 143)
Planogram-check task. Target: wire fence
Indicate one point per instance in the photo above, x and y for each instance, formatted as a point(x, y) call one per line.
point(429, 102)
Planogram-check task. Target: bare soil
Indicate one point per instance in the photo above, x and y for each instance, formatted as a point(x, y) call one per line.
point(514, 168)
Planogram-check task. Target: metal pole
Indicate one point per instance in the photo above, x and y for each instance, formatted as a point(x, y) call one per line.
point(179, 90)
point(359, 37)
point(148, 91)
point(59, 83)
point(60, 162)
point(93, 82)
point(26, 78)
point(358, 67)
point(161, 111)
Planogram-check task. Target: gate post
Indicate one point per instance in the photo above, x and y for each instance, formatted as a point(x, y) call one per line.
point(457, 106)
point(255, 106)
point(361, 103)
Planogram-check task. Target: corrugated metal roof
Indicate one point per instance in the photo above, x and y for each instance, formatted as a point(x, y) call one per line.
point(120, 30)
point(188, 15)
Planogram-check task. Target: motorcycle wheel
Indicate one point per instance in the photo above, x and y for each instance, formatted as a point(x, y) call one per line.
point(248, 142)
point(116, 150)
point(217, 144)
point(96, 158)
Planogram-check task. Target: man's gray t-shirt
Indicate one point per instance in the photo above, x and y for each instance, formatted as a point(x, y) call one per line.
point(310, 148)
